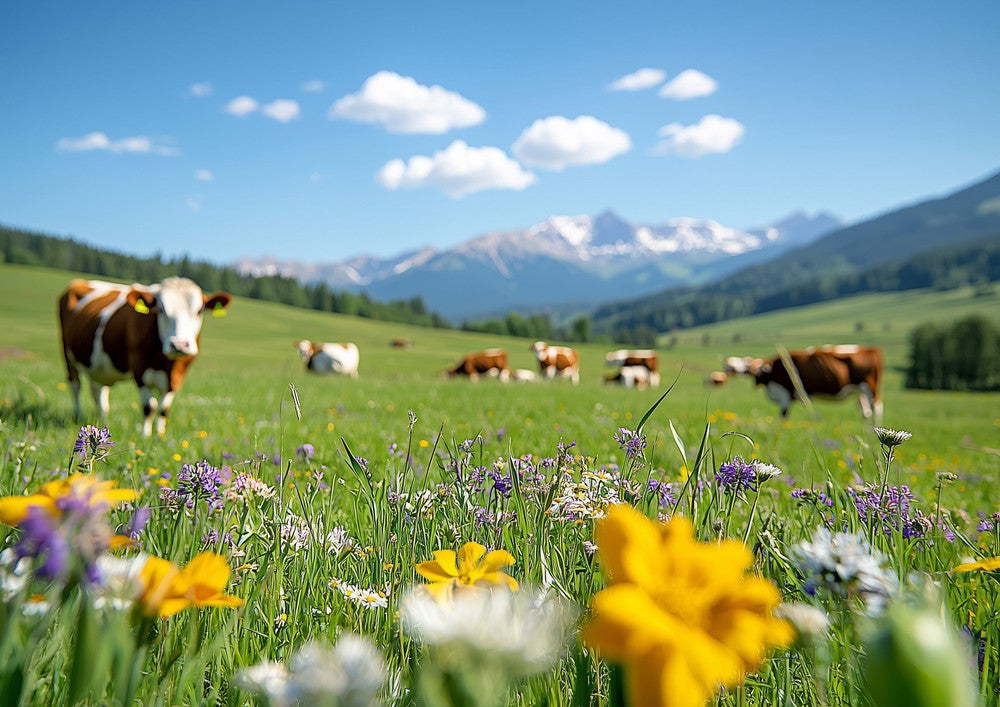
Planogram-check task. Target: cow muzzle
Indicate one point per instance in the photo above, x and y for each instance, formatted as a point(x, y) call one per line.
point(177, 347)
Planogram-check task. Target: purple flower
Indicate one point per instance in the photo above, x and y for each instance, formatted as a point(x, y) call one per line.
point(306, 451)
point(663, 491)
point(93, 443)
point(138, 521)
point(200, 481)
point(737, 475)
point(42, 541)
point(631, 442)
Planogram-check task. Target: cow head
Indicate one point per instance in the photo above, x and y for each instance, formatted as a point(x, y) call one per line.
point(306, 348)
point(616, 357)
point(539, 348)
point(762, 373)
point(178, 304)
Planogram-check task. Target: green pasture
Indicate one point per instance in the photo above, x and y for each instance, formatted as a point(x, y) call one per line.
point(237, 398)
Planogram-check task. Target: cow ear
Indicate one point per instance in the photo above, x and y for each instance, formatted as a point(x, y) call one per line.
point(142, 302)
point(217, 303)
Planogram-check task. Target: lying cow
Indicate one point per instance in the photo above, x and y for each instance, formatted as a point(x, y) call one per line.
point(716, 379)
point(523, 375)
point(492, 362)
point(833, 372)
point(557, 360)
point(646, 358)
point(149, 333)
point(329, 358)
point(631, 377)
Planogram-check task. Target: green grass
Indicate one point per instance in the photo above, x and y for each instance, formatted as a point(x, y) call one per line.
point(236, 405)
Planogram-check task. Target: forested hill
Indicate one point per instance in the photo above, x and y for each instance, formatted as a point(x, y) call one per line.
point(930, 244)
point(27, 248)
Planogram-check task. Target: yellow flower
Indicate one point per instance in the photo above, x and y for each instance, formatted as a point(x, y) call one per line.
point(471, 567)
point(168, 589)
point(681, 615)
point(985, 565)
point(14, 509)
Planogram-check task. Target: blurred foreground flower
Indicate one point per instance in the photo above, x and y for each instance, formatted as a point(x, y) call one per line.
point(166, 589)
point(481, 640)
point(348, 675)
point(472, 566)
point(915, 658)
point(810, 623)
point(990, 565)
point(57, 496)
point(682, 616)
point(847, 566)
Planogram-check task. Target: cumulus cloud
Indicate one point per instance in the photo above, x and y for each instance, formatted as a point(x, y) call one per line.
point(314, 86)
point(203, 175)
point(282, 110)
point(242, 106)
point(638, 80)
point(556, 142)
point(401, 105)
point(457, 170)
point(689, 84)
point(99, 141)
point(711, 134)
point(201, 89)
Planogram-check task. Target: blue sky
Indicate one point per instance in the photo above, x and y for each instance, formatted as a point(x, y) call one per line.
point(314, 131)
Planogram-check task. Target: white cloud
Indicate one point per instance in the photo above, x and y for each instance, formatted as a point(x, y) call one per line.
point(99, 141)
point(282, 110)
point(638, 80)
point(711, 134)
point(203, 175)
point(314, 86)
point(242, 106)
point(201, 89)
point(556, 142)
point(193, 204)
point(689, 84)
point(457, 170)
point(315, 177)
point(401, 105)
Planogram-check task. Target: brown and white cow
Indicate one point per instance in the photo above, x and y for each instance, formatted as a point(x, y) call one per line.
point(716, 379)
point(631, 377)
point(557, 360)
point(492, 362)
point(646, 358)
point(329, 358)
point(830, 371)
point(742, 365)
point(150, 333)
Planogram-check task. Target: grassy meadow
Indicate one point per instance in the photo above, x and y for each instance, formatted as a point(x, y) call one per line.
point(409, 495)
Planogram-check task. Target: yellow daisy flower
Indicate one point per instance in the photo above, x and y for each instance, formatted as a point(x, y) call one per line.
point(14, 509)
point(682, 616)
point(168, 589)
point(472, 566)
point(984, 565)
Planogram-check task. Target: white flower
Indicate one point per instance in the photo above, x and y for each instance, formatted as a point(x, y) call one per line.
point(338, 540)
point(14, 573)
point(810, 623)
point(845, 565)
point(370, 600)
point(765, 471)
point(120, 581)
point(525, 630)
point(268, 679)
point(891, 438)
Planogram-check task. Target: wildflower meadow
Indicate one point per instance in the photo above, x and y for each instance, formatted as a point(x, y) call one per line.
point(407, 539)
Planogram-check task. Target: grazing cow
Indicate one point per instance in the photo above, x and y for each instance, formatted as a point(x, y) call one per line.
point(646, 358)
point(401, 343)
point(716, 379)
point(557, 360)
point(329, 358)
point(149, 333)
point(742, 366)
point(491, 362)
point(632, 377)
point(523, 375)
point(830, 371)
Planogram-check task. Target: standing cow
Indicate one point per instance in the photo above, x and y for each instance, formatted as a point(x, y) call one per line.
point(557, 360)
point(631, 377)
point(645, 358)
point(831, 372)
point(329, 358)
point(149, 333)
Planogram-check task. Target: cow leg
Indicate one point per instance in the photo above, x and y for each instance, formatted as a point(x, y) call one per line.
point(654, 379)
point(878, 412)
point(102, 398)
point(780, 395)
point(149, 407)
point(161, 422)
point(74, 389)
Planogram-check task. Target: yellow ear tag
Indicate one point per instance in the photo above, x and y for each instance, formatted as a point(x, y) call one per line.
point(141, 307)
point(218, 310)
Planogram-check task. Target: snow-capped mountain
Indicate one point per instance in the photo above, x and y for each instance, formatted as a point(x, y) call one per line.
point(562, 261)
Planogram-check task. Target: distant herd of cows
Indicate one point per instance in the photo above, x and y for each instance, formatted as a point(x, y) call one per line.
point(151, 334)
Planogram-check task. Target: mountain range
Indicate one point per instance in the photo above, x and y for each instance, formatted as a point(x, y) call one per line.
point(560, 264)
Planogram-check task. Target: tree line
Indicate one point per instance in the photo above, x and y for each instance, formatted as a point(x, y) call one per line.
point(963, 355)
